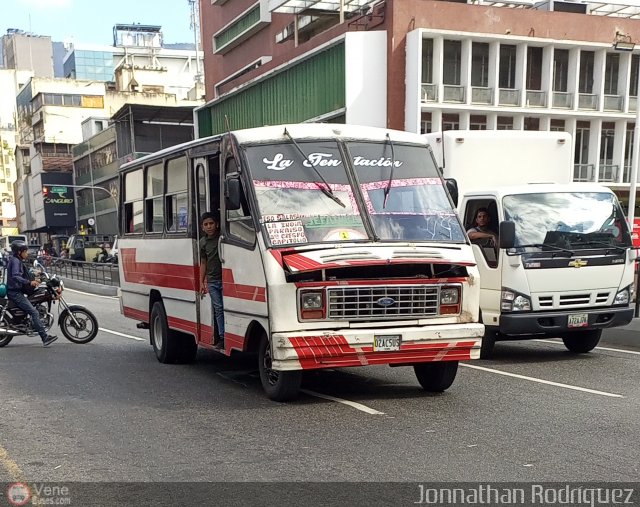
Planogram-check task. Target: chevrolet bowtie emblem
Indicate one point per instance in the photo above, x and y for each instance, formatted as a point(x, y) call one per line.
point(578, 263)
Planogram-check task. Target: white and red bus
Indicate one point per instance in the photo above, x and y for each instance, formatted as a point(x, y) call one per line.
point(340, 246)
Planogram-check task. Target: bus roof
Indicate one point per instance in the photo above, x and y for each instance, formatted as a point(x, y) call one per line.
point(298, 131)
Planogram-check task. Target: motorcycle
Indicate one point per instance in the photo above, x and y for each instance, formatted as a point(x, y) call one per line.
point(76, 322)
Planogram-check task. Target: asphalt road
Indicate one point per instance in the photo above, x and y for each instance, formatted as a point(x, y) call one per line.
point(108, 411)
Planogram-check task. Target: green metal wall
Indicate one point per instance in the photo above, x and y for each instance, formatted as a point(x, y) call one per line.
point(311, 88)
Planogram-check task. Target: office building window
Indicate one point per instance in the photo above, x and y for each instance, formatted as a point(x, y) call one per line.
point(612, 67)
point(477, 122)
point(452, 62)
point(534, 68)
point(585, 84)
point(504, 123)
point(480, 64)
point(507, 66)
point(450, 122)
point(560, 70)
point(531, 123)
point(427, 60)
point(557, 126)
point(633, 84)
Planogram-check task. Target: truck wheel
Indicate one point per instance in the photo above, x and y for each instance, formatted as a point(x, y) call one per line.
point(488, 344)
point(436, 377)
point(582, 341)
point(167, 344)
point(278, 385)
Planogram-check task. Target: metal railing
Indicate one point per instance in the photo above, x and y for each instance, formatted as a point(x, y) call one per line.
point(92, 272)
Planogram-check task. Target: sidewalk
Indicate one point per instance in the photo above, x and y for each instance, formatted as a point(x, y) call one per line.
point(92, 288)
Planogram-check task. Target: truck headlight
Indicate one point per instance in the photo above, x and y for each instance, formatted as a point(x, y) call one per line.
point(623, 297)
point(449, 300)
point(513, 301)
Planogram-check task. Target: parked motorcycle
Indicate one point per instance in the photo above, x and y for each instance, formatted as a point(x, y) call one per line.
point(76, 322)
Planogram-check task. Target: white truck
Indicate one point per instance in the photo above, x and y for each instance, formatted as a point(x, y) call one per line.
point(563, 264)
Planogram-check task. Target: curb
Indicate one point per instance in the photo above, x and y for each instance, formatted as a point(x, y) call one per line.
point(92, 288)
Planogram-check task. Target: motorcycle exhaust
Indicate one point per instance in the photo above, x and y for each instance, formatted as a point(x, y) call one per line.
point(10, 332)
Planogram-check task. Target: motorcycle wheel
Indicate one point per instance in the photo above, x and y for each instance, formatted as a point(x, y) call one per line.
point(88, 324)
point(5, 340)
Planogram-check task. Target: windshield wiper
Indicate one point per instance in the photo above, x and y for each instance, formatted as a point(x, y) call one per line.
point(326, 190)
point(393, 166)
point(543, 245)
point(601, 243)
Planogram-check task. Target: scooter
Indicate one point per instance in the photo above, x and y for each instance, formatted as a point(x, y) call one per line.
point(76, 322)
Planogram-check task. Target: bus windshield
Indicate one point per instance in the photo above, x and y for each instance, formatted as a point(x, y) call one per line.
point(307, 194)
point(569, 220)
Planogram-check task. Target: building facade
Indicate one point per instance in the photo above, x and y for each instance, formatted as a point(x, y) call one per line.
point(430, 65)
point(26, 51)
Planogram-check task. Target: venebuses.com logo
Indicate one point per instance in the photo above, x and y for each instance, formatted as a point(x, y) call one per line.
point(18, 494)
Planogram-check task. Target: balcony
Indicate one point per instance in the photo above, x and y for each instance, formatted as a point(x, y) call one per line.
point(613, 102)
point(562, 100)
point(429, 92)
point(536, 98)
point(626, 174)
point(509, 97)
point(608, 173)
point(584, 172)
point(633, 104)
point(588, 101)
point(453, 93)
point(481, 95)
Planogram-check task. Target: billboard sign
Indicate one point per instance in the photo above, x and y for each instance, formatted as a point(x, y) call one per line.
point(59, 200)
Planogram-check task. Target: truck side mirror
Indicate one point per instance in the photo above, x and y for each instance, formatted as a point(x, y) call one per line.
point(232, 194)
point(452, 188)
point(507, 236)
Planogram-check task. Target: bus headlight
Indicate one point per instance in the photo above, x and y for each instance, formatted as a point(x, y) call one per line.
point(513, 301)
point(623, 297)
point(312, 304)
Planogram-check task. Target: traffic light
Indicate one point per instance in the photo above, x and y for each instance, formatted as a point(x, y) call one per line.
point(45, 191)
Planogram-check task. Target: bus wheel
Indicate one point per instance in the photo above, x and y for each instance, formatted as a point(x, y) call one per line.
point(166, 344)
point(278, 385)
point(436, 377)
point(582, 341)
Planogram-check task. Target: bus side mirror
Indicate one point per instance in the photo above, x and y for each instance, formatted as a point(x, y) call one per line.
point(507, 236)
point(452, 188)
point(232, 194)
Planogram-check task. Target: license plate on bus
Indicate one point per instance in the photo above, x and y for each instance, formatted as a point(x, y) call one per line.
point(386, 342)
point(578, 320)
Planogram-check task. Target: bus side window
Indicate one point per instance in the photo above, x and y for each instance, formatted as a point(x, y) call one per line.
point(239, 221)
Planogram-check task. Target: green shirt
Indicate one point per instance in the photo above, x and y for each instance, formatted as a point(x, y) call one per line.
point(209, 252)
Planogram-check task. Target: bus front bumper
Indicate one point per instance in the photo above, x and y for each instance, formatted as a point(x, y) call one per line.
point(364, 347)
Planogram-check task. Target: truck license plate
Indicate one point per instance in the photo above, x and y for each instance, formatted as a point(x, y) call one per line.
point(386, 342)
point(578, 320)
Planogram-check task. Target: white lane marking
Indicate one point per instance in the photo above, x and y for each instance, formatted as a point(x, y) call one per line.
point(90, 294)
point(542, 381)
point(353, 404)
point(122, 334)
point(597, 348)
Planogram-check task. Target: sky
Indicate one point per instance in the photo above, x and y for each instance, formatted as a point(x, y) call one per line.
point(91, 21)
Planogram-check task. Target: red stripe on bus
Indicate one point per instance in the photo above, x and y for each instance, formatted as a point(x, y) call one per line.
point(160, 274)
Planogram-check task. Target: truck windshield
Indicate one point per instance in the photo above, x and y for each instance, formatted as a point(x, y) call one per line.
point(417, 207)
point(295, 209)
point(569, 220)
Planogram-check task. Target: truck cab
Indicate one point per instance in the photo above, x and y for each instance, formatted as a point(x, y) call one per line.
point(563, 264)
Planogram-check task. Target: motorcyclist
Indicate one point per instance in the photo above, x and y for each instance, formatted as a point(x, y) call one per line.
point(18, 283)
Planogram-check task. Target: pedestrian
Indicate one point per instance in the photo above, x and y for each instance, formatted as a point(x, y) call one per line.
point(18, 282)
point(211, 274)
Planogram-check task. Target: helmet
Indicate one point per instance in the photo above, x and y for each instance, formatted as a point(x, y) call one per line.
point(18, 246)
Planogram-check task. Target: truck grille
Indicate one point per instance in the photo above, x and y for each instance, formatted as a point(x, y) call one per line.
point(548, 302)
point(374, 303)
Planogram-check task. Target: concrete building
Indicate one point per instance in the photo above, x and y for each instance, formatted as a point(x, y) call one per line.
point(26, 51)
point(138, 61)
point(133, 131)
point(429, 65)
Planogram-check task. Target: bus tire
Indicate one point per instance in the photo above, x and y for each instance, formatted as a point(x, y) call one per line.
point(278, 385)
point(166, 343)
point(581, 342)
point(436, 377)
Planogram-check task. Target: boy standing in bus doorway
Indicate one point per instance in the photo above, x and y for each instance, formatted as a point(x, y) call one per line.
point(211, 273)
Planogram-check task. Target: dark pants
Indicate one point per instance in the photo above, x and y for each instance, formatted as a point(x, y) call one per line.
point(21, 301)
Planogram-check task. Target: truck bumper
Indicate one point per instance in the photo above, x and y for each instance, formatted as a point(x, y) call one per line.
point(557, 322)
point(354, 347)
